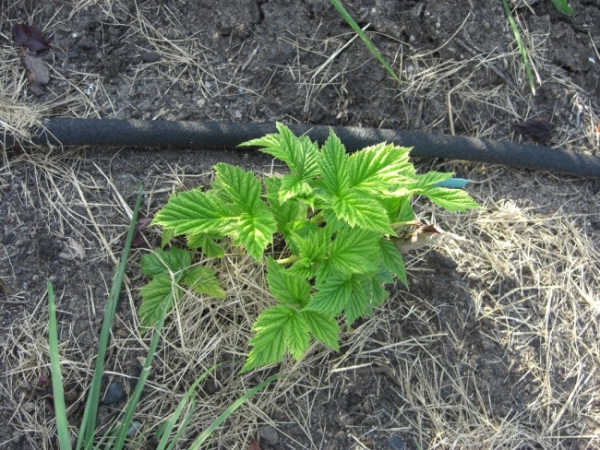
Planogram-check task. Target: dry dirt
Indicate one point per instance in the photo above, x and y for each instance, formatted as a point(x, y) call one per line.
point(496, 344)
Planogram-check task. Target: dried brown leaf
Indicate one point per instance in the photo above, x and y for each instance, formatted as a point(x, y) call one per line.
point(31, 37)
point(540, 130)
point(253, 445)
point(38, 74)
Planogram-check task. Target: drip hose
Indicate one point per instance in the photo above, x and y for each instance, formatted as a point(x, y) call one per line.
point(204, 135)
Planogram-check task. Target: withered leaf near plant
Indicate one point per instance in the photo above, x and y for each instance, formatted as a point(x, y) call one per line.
point(540, 130)
point(31, 37)
point(37, 71)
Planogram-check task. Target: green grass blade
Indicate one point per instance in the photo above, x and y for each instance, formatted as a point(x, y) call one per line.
point(88, 423)
point(183, 425)
point(520, 44)
point(173, 420)
point(62, 425)
point(225, 414)
point(348, 18)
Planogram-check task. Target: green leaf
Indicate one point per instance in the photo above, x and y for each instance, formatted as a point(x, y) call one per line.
point(450, 199)
point(314, 247)
point(255, 232)
point(355, 251)
point(293, 186)
point(430, 179)
point(323, 327)
point(361, 210)
point(238, 187)
point(357, 303)
point(285, 213)
point(167, 234)
point(277, 329)
point(155, 294)
point(374, 287)
point(300, 154)
point(163, 261)
point(204, 281)
point(206, 242)
point(333, 163)
point(562, 6)
point(332, 295)
point(195, 212)
point(376, 168)
point(286, 287)
point(392, 260)
point(405, 212)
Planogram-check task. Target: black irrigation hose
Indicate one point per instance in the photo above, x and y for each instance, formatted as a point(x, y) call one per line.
point(202, 135)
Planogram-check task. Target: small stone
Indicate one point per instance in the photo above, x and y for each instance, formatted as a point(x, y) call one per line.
point(8, 238)
point(396, 443)
point(29, 407)
point(114, 394)
point(134, 428)
point(149, 57)
point(268, 434)
point(473, 277)
point(17, 436)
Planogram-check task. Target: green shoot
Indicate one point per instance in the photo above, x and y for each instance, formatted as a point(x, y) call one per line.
point(520, 44)
point(339, 216)
point(155, 265)
point(62, 424)
point(348, 18)
point(88, 423)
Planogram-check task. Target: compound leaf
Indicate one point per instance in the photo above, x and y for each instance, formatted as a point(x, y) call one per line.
point(354, 251)
point(155, 294)
point(285, 213)
point(332, 295)
point(392, 260)
point(165, 261)
point(323, 327)
point(299, 153)
point(430, 179)
point(203, 280)
point(314, 247)
point(376, 168)
point(287, 287)
point(255, 231)
point(361, 210)
point(277, 329)
point(207, 243)
point(194, 212)
point(333, 162)
point(450, 199)
point(236, 186)
point(293, 186)
point(357, 303)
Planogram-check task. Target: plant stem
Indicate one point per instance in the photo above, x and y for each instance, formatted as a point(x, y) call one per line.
point(288, 260)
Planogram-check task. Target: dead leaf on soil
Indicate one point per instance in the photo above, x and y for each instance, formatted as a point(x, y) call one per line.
point(4, 288)
point(138, 237)
point(38, 74)
point(31, 37)
point(253, 445)
point(422, 236)
point(540, 130)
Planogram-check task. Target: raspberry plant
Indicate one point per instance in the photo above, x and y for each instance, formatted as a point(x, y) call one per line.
point(340, 216)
